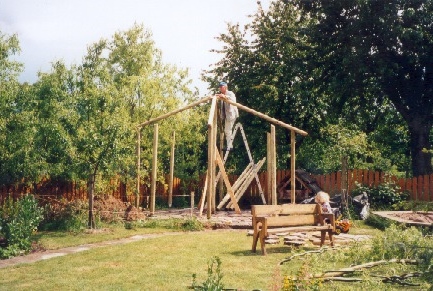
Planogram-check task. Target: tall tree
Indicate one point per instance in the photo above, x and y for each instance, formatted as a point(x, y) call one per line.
point(381, 45)
point(264, 64)
point(16, 131)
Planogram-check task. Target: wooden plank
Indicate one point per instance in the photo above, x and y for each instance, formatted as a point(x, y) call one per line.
point(236, 185)
point(291, 220)
point(171, 175)
point(227, 182)
point(198, 102)
point(203, 195)
point(333, 187)
point(247, 181)
point(294, 209)
point(274, 166)
point(426, 187)
point(410, 189)
point(293, 166)
point(415, 187)
point(419, 188)
point(299, 229)
point(376, 178)
point(338, 180)
point(371, 178)
point(431, 188)
point(154, 169)
point(265, 117)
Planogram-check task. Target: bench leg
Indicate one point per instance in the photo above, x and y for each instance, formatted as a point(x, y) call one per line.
point(322, 237)
point(262, 241)
point(255, 239)
point(331, 238)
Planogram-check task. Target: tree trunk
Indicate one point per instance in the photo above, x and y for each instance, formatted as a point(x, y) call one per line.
point(420, 147)
point(90, 191)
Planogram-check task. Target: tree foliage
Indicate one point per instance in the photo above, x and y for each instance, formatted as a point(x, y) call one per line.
point(81, 122)
point(362, 65)
point(373, 51)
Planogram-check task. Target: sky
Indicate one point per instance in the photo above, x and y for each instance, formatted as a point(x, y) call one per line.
point(184, 30)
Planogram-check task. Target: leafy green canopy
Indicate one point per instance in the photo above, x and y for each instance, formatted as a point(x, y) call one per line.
point(360, 65)
point(81, 122)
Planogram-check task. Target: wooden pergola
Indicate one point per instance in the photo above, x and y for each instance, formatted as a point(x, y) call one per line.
point(214, 158)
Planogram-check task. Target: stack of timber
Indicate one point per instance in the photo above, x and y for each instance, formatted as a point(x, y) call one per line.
point(241, 184)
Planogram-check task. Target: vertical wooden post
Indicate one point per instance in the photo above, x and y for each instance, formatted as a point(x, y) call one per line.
point(211, 158)
point(220, 126)
point(138, 150)
point(293, 166)
point(192, 202)
point(154, 170)
point(214, 142)
point(170, 182)
point(274, 166)
point(269, 168)
point(344, 174)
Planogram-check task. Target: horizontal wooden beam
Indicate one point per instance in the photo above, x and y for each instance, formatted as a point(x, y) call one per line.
point(265, 117)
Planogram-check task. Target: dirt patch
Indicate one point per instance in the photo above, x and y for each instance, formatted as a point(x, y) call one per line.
point(112, 209)
point(408, 217)
point(422, 217)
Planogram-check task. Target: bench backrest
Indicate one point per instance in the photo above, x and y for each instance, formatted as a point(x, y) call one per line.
point(299, 214)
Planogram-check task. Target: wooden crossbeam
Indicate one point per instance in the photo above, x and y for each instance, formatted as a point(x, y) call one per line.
point(227, 182)
point(249, 178)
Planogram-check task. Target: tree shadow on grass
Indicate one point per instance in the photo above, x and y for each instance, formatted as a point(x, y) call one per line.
point(280, 249)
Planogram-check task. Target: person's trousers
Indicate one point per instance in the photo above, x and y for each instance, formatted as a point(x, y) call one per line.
point(228, 127)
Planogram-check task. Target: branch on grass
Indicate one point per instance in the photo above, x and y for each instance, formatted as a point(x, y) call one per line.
point(400, 279)
point(338, 275)
point(319, 251)
point(343, 271)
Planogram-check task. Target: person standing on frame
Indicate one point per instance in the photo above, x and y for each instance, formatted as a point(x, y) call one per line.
point(229, 112)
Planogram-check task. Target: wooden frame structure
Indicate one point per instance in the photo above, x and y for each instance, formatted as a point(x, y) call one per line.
point(214, 158)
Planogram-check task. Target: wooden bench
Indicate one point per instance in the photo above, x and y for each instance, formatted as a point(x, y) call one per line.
point(273, 219)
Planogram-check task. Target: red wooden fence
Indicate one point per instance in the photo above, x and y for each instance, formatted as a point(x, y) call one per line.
point(420, 188)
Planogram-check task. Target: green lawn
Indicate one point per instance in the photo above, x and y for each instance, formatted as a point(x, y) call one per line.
point(168, 262)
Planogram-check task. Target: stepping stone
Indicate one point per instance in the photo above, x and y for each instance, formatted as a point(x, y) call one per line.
point(272, 241)
point(294, 238)
point(294, 242)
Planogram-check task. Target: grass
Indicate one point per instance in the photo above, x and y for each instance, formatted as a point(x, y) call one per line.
point(52, 240)
point(168, 262)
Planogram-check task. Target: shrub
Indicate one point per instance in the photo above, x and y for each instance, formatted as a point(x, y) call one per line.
point(383, 196)
point(65, 215)
point(18, 220)
point(214, 277)
point(378, 221)
point(403, 243)
point(413, 206)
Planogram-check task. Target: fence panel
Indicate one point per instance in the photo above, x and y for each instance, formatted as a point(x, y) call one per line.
point(420, 188)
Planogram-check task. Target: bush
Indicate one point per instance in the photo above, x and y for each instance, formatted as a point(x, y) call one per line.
point(378, 221)
point(403, 243)
point(383, 196)
point(65, 215)
point(18, 220)
point(413, 206)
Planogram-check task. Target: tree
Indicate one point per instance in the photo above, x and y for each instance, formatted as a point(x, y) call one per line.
point(121, 82)
point(265, 65)
point(16, 131)
point(314, 63)
point(372, 50)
